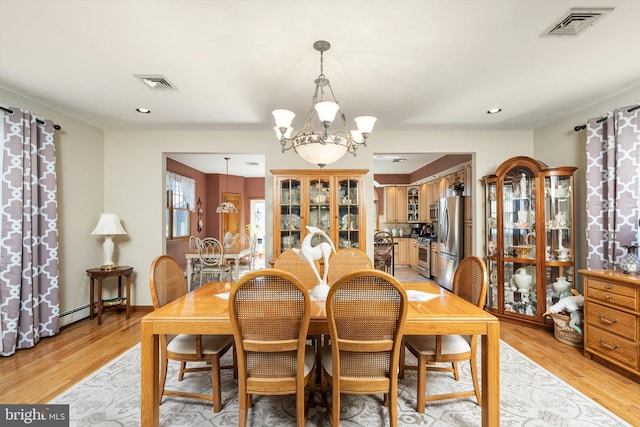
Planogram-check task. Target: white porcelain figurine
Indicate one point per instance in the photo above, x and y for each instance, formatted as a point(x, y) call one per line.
point(313, 253)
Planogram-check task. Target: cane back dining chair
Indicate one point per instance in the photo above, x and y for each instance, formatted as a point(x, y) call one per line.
point(167, 283)
point(211, 255)
point(383, 247)
point(290, 261)
point(345, 261)
point(469, 283)
point(366, 311)
point(270, 312)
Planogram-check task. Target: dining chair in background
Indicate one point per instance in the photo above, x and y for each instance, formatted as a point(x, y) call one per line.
point(194, 243)
point(366, 311)
point(250, 260)
point(211, 252)
point(270, 312)
point(469, 283)
point(167, 283)
point(383, 247)
point(290, 261)
point(345, 261)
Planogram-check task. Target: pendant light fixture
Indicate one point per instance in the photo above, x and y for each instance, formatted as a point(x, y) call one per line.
point(321, 148)
point(226, 206)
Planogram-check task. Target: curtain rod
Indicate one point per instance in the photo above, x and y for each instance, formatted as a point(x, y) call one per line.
point(580, 127)
point(10, 111)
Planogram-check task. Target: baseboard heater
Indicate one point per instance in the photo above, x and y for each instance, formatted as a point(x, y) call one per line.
point(67, 316)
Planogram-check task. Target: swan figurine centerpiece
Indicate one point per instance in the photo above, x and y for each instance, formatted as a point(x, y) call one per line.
point(313, 253)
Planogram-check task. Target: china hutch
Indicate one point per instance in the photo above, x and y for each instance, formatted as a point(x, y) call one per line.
point(530, 237)
point(331, 200)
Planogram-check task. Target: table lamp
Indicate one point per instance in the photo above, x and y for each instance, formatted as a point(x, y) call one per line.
point(108, 226)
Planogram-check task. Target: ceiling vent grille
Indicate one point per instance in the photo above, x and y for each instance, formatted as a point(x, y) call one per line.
point(155, 81)
point(576, 21)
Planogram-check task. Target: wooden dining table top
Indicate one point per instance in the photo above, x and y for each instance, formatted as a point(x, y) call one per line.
point(203, 305)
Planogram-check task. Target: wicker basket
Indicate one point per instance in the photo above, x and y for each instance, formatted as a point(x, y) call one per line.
point(565, 333)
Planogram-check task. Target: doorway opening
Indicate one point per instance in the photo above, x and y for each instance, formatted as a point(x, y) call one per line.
point(257, 221)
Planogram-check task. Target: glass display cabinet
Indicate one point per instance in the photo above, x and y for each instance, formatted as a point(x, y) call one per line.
point(331, 200)
point(529, 238)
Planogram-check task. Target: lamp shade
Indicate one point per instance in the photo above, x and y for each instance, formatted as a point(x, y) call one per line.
point(108, 225)
point(322, 154)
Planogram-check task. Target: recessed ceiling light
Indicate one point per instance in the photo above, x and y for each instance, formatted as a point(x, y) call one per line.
point(143, 110)
point(494, 110)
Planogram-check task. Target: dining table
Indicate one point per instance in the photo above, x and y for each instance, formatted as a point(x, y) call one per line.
point(235, 253)
point(206, 311)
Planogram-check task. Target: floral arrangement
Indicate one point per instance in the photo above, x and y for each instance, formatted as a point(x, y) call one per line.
point(457, 185)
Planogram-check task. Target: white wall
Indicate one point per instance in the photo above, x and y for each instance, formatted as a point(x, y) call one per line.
point(134, 185)
point(80, 171)
point(557, 144)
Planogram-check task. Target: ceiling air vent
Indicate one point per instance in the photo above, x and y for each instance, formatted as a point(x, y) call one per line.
point(576, 21)
point(155, 81)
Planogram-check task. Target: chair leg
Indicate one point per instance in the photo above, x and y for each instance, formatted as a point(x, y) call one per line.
point(422, 383)
point(401, 361)
point(164, 364)
point(393, 408)
point(474, 371)
point(335, 403)
point(235, 362)
point(215, 384)
point(243, 408)
point(456, 374)
point(183, 365)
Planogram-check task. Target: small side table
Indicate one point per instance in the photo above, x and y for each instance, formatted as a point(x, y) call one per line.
point(97, 274)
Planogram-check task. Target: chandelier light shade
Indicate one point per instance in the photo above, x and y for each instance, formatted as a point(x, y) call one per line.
point(227, 206)
point(108, 226)
point(320, 146)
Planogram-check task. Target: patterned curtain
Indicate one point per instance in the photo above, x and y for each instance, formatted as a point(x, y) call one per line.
point(613, 171)
point(29, 275)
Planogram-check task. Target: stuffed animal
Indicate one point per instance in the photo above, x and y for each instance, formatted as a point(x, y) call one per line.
point(571, 305)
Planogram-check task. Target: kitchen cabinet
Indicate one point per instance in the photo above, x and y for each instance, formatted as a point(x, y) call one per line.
point(413, 253)
point(395, 204)
point(413, 204)
point(425, 201)
point(401, 251)
point(435, 271)
point(612, 318)
point(529, 238)
point(331, 200)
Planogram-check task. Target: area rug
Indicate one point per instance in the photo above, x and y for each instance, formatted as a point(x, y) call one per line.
point(529, 396)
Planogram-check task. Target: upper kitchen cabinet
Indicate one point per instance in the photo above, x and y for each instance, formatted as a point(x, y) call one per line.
point(331, 200)
point(395, 204)
point(413, 204)
point(530, 238)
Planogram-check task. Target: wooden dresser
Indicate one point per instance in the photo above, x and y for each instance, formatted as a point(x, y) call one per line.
point(612, 318)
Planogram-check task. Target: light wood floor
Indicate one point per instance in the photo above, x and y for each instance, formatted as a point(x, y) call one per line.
point(37, 375)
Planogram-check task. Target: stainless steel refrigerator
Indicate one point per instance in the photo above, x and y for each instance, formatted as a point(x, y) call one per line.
point(450, 239)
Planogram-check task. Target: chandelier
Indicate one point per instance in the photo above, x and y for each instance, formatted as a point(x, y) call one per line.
point(321, 148)
point(227, 206)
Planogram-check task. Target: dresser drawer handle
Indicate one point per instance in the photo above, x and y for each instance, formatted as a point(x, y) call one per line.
point(608, 286)
point(608, 346)
point(607, 297)
point(610, 322)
